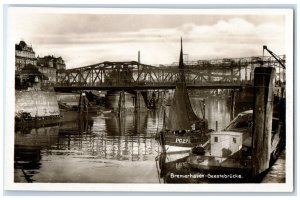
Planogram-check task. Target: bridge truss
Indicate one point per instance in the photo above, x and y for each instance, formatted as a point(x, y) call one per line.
point(132, 74)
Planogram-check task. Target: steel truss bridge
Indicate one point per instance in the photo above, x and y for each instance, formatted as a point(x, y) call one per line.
point(201, 74)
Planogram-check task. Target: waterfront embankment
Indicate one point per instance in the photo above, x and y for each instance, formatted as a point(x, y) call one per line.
point(36, 103)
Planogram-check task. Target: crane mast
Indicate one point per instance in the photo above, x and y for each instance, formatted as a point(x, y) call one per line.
point(277, 58)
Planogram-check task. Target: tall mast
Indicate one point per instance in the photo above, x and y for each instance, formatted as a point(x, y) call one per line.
point(181, 64)
point(181, 114)
point(181, 56)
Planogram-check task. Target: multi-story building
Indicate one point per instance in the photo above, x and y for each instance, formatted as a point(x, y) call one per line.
point(24, 55)
point(30, 77)
point(51, 61)
point(48, 65)
point(50, 72)
point(46, 61)
point(59, 63)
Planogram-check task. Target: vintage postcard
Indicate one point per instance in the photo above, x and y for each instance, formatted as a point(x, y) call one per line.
point(118, 99)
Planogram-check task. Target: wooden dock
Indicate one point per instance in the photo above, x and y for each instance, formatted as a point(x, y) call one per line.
point(276, 174)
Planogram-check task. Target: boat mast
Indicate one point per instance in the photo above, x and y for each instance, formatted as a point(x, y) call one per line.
point(181, 64)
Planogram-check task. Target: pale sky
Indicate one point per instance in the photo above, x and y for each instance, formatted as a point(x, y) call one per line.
point(84, 39)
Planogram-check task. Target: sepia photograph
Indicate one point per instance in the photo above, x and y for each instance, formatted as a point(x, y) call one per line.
point(104, 99)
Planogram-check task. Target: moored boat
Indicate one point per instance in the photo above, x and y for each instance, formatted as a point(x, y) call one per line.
point(183, 129)
point(231, 148)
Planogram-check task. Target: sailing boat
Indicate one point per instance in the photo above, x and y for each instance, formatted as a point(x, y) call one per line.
point(183, 129)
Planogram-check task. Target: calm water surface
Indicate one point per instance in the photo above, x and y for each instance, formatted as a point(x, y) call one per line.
point(101, 148)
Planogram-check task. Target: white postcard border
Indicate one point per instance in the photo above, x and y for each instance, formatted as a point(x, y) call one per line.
point(9, 121)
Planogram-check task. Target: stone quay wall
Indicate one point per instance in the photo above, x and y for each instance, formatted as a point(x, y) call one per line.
point(37, 103)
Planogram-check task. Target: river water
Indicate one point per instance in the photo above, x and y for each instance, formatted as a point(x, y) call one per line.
point(101, 148)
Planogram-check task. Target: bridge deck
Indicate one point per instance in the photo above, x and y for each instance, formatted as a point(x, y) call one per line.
point(147, 87)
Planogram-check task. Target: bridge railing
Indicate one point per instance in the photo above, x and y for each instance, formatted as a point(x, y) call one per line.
point(144, 83)
point(148, 76)
point(219, 71)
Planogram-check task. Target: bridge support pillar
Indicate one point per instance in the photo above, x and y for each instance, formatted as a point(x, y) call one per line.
point(262, 118)
point(232, 106)
point(121, 105)
point(83, 103)
point(140, 104)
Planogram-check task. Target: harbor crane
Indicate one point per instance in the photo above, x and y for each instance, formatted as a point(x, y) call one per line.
point(277, 58)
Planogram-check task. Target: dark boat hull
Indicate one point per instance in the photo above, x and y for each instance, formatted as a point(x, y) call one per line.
point(184, 141)
point(181, 142)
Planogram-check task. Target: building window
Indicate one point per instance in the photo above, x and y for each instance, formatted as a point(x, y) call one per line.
point(234, 140)
point(216, 139)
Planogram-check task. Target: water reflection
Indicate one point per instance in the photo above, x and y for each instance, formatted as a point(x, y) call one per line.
point(27, 162)
point(102, 148)
point(28, 147)
point(81, 139)
point(216, 110)
point(172, 165)
point(129, 123)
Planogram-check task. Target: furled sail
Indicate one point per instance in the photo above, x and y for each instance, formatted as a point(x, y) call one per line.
point(181, 114)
